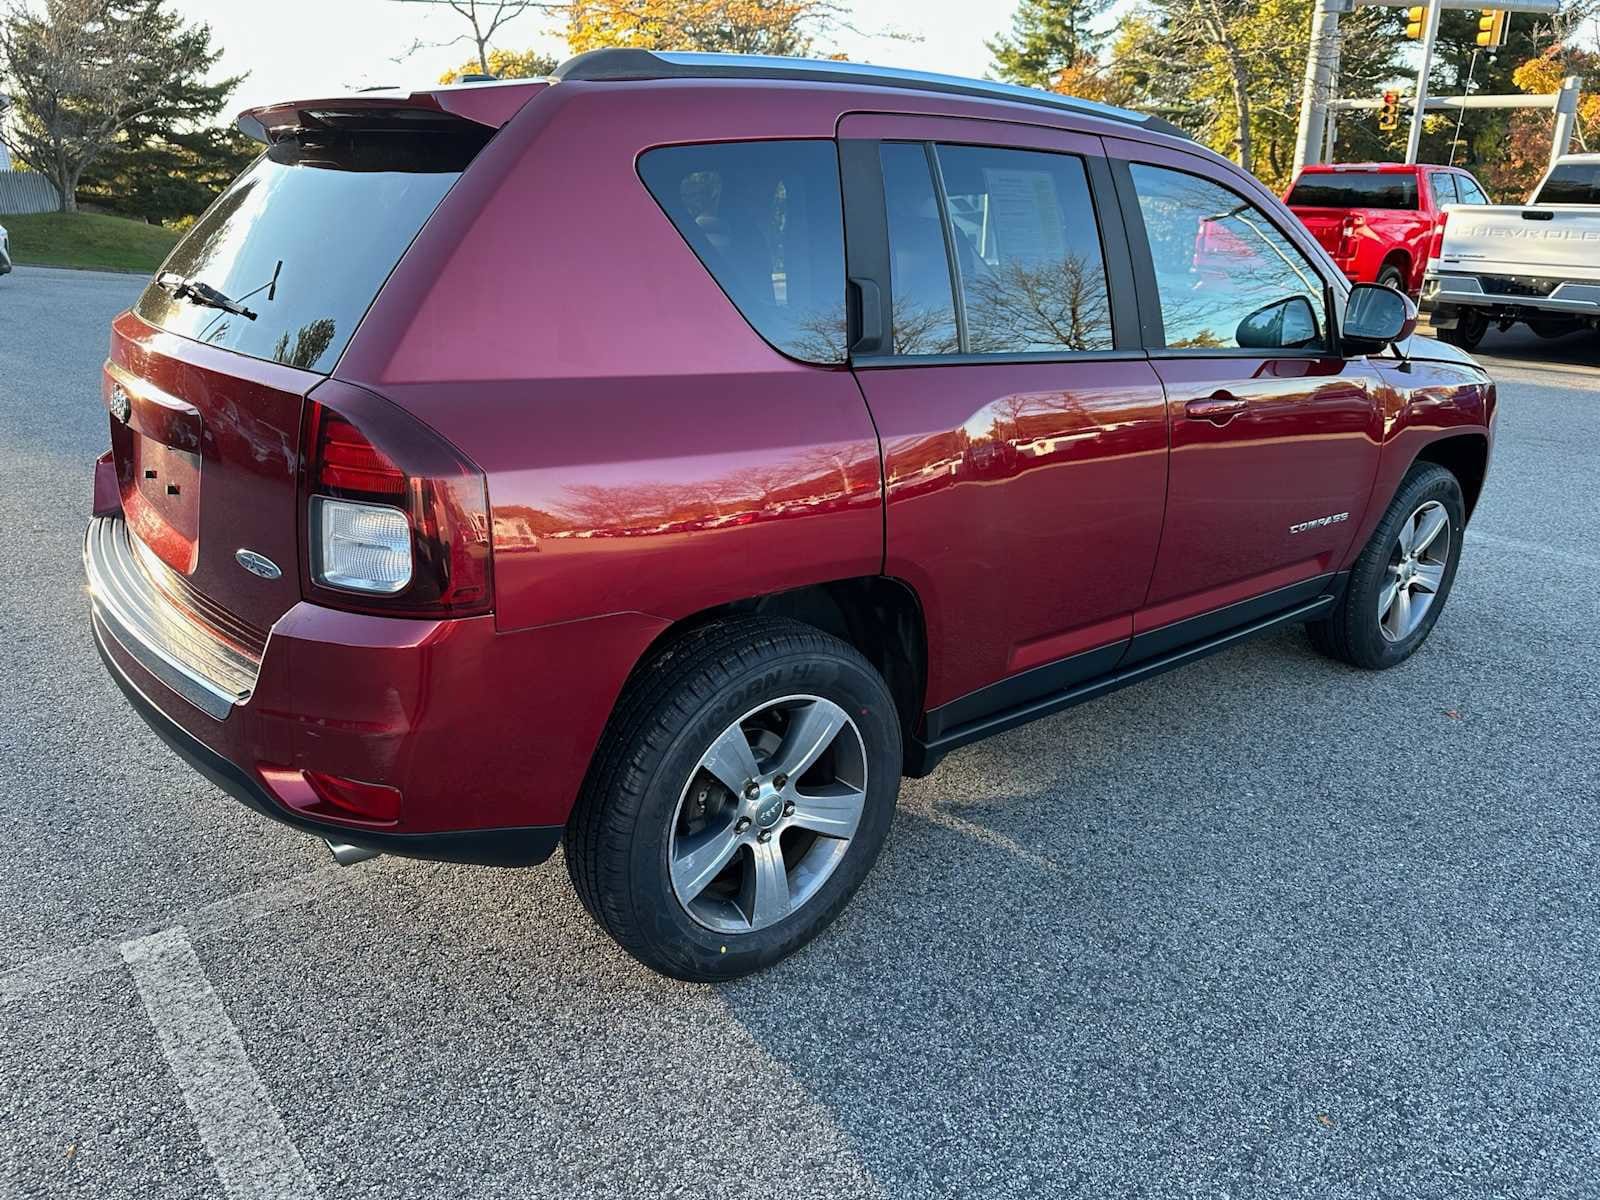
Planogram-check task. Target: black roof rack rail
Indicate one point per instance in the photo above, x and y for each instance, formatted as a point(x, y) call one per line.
point(623, 64)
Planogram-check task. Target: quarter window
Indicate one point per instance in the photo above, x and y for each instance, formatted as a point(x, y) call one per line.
point(1218, 261)
point(766, 220)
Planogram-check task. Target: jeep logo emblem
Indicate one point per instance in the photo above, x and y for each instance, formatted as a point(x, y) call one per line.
point(257, 564)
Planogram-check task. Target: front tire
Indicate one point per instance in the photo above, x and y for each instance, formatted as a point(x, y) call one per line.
point(1403, 576)
point(741, 793)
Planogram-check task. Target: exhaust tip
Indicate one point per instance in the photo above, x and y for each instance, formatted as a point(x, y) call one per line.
point(347, 855)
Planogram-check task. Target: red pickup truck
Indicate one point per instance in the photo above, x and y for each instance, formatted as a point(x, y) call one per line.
point(1379, 220)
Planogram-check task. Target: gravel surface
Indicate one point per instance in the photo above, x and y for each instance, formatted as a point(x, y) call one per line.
point(1264, 927)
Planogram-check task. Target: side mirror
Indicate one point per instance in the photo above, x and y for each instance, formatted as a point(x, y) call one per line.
point(1283, 324)
point(1376, 317)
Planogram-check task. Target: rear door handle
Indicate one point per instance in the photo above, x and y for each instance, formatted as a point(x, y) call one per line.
point(1219, 409)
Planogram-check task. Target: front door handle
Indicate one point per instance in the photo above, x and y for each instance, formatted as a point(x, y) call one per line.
point(1219, 409)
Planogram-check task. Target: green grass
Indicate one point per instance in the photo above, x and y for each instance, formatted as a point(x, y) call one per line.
point(87, 240)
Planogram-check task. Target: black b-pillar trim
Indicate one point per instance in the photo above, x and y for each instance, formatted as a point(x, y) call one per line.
point(866, 248)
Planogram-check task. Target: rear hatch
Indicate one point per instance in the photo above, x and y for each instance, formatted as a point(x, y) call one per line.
point(208, 404)
point(1546, 243)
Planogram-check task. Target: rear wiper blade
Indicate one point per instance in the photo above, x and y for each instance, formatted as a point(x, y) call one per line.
point(202, 294)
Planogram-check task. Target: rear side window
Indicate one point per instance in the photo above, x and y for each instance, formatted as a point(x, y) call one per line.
point(767, 221)
point(1355, 189)
point(1470, 192)
point(305, 238)
point(919, 265)
point(1027, 249)
point(1219, 260)
point(1572, 183)
point(1444, 188)
point(1019, 239)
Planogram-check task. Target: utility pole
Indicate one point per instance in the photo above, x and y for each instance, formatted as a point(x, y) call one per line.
point(1319, 82)
point(1430, 32)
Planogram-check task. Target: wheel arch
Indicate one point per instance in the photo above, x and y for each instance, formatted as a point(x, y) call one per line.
point(1399, 257)
point(1464, 455)
point(879, 615)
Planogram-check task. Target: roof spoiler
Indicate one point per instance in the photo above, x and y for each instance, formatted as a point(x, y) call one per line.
point(623, 64)
point(488, 104)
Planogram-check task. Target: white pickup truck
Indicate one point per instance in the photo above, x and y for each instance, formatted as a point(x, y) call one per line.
point(1539, 263)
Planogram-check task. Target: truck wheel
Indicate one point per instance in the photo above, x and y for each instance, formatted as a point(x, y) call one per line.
point(1553, 327)
point(1392, 277)
point(1400, 582)
point(738, 798)
point(1469, 330)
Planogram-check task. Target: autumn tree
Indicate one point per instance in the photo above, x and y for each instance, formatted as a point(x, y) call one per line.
point(1230, 71)
point(1048, 38)
point(786, 27)
point(82, 73)
point(505, 64)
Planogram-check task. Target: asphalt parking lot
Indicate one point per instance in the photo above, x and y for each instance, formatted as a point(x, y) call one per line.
point(1266, 927)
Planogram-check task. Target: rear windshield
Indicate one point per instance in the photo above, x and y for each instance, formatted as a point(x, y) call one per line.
point(1572, 183)
point(1350, 189)
point(305, 238)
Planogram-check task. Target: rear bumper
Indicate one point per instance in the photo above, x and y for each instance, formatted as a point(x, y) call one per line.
point(515, 847)
point(1445, 291)
point(485, 735)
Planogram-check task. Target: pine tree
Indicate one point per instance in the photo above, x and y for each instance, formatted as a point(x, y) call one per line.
point(1047, 37)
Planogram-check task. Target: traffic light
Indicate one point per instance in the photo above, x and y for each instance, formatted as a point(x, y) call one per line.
point(1492, 28)
point(1389, 114)
point(1416, 18)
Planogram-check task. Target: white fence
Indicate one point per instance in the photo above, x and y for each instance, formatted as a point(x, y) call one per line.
point(27, 192)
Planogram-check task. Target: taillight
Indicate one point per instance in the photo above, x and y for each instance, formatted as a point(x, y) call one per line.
point(1436, 246)
point(396, 520)
point(1347, 235)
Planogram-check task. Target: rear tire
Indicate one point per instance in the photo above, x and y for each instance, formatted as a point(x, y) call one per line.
point(1402, 578)
point(1391, 276)
point(1471, 325)
point(707, 880)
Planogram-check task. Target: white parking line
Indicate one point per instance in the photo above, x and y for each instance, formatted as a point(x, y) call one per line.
point(238, 1122)
point(53, 970)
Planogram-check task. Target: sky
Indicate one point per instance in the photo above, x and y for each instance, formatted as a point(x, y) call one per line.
point(298, 49)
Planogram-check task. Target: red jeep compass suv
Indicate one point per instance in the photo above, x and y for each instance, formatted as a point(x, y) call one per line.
point(667, 457)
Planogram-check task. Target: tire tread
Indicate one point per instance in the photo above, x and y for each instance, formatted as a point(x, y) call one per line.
point(664, 694)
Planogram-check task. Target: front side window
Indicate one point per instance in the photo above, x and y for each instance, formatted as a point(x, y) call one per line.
point(1224, 272)
point(767, 221)
point(1027, 248)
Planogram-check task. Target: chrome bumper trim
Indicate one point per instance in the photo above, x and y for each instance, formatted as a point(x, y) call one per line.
point(1571, 297)
point(186, 655)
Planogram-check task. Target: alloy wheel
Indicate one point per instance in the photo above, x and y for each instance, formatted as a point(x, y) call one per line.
point(768, 814)
point(1416, 571)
